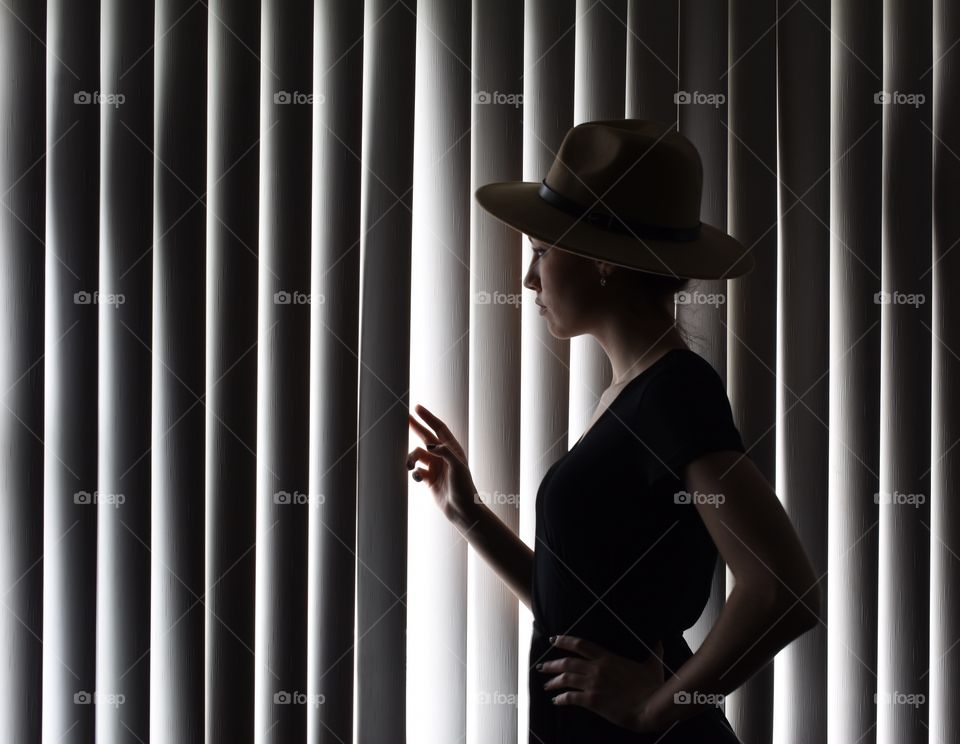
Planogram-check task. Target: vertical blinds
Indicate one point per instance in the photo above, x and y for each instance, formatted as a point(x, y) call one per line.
point(239, 242)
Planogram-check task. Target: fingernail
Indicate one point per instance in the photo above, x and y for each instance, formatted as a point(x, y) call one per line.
point(553, 639)
point(431, 446)
point(540, 667)
point(409, 465)
point(416, 477)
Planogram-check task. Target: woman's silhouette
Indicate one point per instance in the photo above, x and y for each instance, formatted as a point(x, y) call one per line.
point(630, 521)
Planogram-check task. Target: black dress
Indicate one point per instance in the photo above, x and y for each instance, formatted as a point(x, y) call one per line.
point(617, 559)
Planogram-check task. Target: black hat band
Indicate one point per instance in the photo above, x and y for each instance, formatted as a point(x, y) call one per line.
point(607, 221)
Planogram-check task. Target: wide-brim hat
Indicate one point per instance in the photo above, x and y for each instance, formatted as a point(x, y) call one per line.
point(625, 191)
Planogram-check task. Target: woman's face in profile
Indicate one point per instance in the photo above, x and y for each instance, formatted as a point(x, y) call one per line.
point(566, 285)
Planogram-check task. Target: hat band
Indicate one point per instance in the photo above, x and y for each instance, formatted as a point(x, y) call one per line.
point(607, 221)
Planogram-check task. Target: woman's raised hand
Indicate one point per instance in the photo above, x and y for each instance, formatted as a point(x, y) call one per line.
point(445, 468)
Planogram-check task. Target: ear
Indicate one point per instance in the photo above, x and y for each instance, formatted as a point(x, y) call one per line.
point(604, 268)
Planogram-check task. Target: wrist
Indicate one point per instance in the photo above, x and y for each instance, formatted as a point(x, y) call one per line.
point(663, 707)
point(646, 719)
point(465, 516)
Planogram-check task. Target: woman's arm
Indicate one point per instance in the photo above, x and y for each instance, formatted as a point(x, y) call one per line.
point(776, 596)
point(749, 632)
point(498, 545)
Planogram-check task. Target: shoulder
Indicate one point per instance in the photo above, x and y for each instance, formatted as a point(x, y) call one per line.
point(684, 375)
point(682, 414)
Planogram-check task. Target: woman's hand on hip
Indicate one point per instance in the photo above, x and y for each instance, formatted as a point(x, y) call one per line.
point(611, 686)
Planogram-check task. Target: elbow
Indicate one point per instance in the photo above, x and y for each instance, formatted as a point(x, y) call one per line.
point(795, 607)
point(801, 605)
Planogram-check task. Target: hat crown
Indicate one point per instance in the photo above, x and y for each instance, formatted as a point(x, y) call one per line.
point(639, 170)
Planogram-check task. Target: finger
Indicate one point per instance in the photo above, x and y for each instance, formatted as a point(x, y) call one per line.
point(569, 680)
point(420, 454)
point(583, 699)
point(442, 450)
point(438, 426)
point(579, 645)
point(422, 474)
point(422, 431)
point(565, 664)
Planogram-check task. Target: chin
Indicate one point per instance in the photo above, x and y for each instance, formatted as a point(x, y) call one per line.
point(558, 333)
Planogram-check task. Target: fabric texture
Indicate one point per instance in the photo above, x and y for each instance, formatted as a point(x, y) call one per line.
point(622, 557)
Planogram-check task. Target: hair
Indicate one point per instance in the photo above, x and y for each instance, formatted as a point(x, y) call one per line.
point(662, 290)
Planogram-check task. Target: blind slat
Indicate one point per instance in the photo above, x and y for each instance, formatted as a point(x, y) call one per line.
point(855, 196)
point(125, 373)
point(751, 333)
point(388, 117)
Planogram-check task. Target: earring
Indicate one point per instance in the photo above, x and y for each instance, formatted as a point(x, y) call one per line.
point(603, 281)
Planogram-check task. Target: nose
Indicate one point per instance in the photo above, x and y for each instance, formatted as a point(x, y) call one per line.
point(528, 280)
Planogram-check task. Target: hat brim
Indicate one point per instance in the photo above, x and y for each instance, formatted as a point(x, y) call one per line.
point(713, 255)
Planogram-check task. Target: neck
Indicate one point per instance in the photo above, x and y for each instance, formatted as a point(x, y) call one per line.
point(633, 346)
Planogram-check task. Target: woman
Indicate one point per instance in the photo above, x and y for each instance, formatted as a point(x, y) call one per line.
point(631, 521)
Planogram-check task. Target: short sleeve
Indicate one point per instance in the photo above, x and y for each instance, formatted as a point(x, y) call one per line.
point(684, 413)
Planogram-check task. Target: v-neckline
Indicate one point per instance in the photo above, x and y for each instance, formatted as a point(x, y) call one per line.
point(620, 394)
